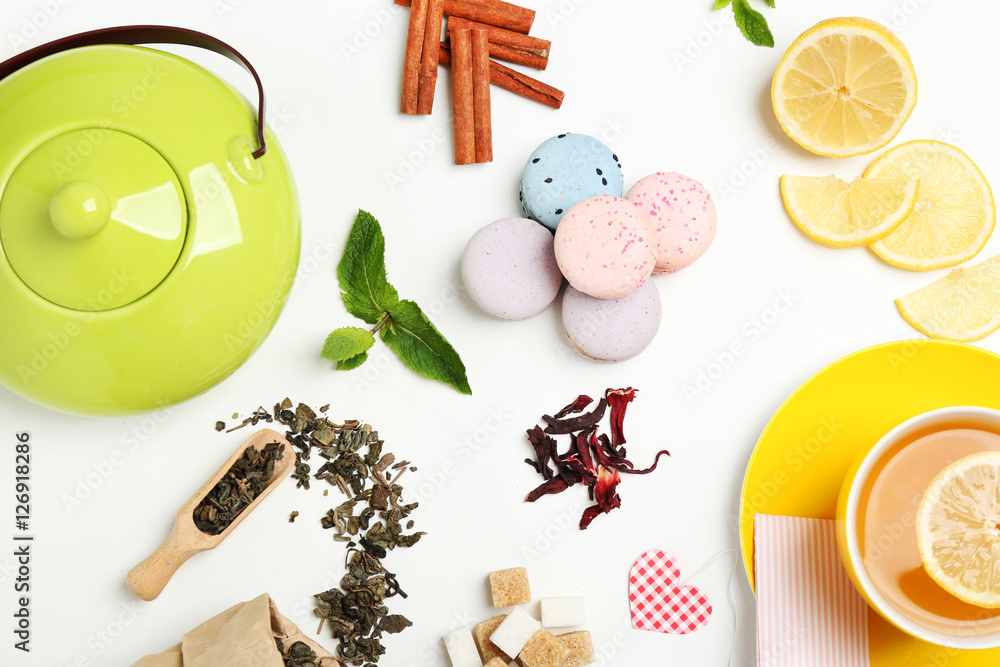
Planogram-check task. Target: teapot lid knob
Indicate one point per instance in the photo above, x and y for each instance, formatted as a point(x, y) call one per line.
point(79, 210)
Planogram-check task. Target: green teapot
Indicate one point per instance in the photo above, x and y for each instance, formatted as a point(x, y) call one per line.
point(149, 223)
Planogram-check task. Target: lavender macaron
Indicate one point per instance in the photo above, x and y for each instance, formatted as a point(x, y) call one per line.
point(611, 330)
point(509, 269)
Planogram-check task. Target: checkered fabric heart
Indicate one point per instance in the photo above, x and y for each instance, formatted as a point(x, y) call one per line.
point(659, 603)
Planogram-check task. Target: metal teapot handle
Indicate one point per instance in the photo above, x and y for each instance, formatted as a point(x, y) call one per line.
point(145, 34)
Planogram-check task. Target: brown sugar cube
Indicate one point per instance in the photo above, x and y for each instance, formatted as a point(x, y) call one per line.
point(510, 587)
point(581, 648)
point(487, 649)
point(497, 662)
point(544, 650)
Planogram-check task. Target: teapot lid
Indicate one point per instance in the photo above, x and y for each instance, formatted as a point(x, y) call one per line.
point(99, 205)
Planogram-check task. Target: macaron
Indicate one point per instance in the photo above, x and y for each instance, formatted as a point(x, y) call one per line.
point(683, 214)
point(564, 170)
point(509, 269)
point(604, 246)
point(611, 330)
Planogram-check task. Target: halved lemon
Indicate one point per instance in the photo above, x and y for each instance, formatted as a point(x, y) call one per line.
point(954, 215)
point(963, 306)
point(841, 214)
point(958, 529)
point(844, 87)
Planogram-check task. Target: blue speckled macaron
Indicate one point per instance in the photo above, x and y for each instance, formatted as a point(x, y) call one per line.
point(565, 170)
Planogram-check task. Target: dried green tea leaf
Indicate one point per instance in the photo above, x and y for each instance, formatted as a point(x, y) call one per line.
point(240, 486)
point(394, 624)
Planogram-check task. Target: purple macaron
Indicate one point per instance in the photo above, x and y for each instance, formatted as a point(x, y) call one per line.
point(509, 269)
point(612, 330)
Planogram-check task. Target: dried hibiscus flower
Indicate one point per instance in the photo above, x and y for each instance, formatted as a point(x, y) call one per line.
point(594, 460)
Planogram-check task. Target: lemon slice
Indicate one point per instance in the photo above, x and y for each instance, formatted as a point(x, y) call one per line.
point(963, 306)
point(958, 529)
point(844, 87)
point(954, 215)
point(840, 214)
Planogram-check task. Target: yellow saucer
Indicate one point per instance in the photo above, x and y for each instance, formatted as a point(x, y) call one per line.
point(804, 452)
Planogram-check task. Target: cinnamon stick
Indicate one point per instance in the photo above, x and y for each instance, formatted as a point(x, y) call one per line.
point(509, 45)
point(500, 14)
point(481, 95)
point(429, 57)
point(518, 57)
point(462, 96)
point(515, 82)
point(412, 58)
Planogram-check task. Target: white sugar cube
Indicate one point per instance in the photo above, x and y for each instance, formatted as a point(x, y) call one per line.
point(462, 648)
point(563, 612)
point(515, 631)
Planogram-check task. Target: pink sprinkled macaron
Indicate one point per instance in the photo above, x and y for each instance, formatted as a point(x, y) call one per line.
point(612, 330)
point(604, 246)
point(683, 215)
point(509, 269)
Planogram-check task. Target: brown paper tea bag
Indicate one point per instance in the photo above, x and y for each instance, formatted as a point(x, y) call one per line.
point(241, 636)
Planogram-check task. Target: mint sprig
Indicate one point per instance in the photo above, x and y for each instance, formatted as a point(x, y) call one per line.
point(401, 325)
point(751, 23)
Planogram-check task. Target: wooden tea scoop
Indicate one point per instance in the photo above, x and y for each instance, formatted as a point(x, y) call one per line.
point(148, 578)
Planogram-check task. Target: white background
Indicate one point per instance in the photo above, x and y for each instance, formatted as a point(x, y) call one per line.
point(670, 86)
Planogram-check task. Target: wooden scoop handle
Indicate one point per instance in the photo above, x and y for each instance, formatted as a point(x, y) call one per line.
point(148, 578)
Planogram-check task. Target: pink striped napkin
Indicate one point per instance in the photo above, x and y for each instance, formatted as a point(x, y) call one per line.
point(808, 613)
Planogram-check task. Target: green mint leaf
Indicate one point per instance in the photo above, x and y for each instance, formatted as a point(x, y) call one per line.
point(352, 363)
point(367, 293)
point(421, 347)
point(346, 343)
point(752, 24)
point(770, 3)
point(719, 4)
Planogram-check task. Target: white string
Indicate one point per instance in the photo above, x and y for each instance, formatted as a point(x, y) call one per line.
point(732, 594)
